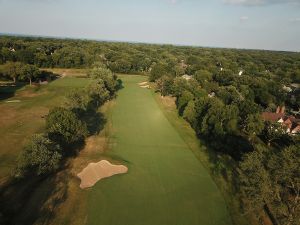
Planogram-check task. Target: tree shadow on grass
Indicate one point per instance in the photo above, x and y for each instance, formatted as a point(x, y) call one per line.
point(119, 84)
point(9, 90)
point(26, 201)
point(117, 158)
point(95, 122)
point(224, 154)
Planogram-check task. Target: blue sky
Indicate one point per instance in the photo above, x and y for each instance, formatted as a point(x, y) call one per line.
point(258, 24)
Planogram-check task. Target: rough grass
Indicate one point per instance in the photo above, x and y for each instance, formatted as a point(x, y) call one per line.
point(56, 199)
point(19, 120)
point(68, 72)
point(76, 202)
point(165, 183)
point(219, 166)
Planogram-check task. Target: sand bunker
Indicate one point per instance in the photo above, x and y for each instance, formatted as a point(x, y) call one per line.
point(143, 83)
point(13, 101)
point(94, 172)
point(145, 86)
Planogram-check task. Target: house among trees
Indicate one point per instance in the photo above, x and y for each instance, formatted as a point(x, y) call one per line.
point(291, 123)
point(12, 49)
point(183, 65)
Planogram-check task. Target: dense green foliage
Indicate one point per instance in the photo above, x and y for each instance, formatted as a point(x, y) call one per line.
point(220, 92)
point(271, 178)
point(19, 71)
point(68, 126)
point(40, 156)
point(224, 108)
point(138, 58)
point(64, 127)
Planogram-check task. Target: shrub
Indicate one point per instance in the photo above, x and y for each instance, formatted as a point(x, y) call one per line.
point(41, 156)
point(64, 127)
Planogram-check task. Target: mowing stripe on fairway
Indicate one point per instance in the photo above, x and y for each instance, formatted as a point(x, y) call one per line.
point(165, 184)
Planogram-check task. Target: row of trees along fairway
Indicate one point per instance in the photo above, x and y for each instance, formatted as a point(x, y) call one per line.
point(224, 109)
point(67, 127)
point(18, 71)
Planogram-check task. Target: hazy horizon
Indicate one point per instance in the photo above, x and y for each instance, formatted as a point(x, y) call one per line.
point(242, 24)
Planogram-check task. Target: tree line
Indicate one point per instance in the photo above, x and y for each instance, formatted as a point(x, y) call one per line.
point(220, 92)
point(265, 70)
point(17, 71)
point(67, 127)
point(225, 109)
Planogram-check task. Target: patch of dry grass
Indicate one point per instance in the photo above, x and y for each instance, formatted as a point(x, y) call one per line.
point(20, 120)
point(68, 72)
point(169, 102)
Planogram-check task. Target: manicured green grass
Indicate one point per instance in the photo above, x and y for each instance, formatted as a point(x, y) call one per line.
point(166, 184)
point(220, 166)
point(19, 120)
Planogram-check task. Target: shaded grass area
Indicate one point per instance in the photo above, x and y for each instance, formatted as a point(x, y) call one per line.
point(220, 166)
point(54, 199)
point(95, 150)
point(24, 201)
point(19, 120)
point(165, 184)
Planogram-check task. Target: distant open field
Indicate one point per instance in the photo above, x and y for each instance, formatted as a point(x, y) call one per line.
point(23, 115)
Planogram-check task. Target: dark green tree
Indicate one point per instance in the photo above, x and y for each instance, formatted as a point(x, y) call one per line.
point(64, 127)
point(41, 156)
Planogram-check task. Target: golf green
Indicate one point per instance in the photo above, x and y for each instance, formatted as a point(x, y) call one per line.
point(165, 184)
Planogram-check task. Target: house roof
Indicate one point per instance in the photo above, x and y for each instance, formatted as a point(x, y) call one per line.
point(274, 117)
point(291, 122)
point(296, 129)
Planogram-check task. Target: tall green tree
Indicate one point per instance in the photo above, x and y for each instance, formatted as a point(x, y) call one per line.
point(158, 70)
point(12, 70)
point(78, 100)
point(41, 156)
point(253, 125)
point(64, 127)
point(29, 72)
point(270, 179)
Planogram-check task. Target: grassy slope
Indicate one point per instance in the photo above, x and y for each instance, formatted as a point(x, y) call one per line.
point(18, 121)
point(165, 184)
point(219, 166)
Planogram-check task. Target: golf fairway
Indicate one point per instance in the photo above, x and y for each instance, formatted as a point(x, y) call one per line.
point(165, 183)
